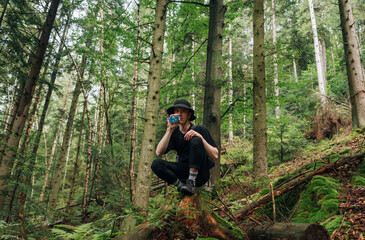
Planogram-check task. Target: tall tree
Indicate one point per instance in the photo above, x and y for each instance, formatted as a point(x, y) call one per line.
point(275, 59)
point(355, 75)
point(213, 78)
point(26, 99)
point(230, 90)
point(152, 103)
point(57, 177)
point(260, 165)
point(76, 163)
point(319, 64)
point(134, 109)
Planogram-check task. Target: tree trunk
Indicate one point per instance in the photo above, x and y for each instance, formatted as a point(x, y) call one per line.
point(295, 70)
point(323, 51)
point(292, 231)
point(76, 163)
point(100, 127)
point(66, 164)
point(26, 99)
point(230, 90)
point(56, 180)
point(22, 160)
point(260, 167)
point(332, 57)
point(88, 162)
point(276, 74)
point(355, 75)
point(54, 145)
point(214, 78)
point(151, 112)
point(100, 122)
point(132, 156)
point(319, 64)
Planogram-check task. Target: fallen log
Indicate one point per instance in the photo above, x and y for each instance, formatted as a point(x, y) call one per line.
point(292, 231)
point(302, 178)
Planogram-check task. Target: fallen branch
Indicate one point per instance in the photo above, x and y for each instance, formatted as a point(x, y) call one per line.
point(253, 206)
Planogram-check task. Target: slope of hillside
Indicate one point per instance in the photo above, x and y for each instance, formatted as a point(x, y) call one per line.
point(335, 199)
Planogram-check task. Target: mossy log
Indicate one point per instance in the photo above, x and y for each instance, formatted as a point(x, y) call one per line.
point(191, 219)
point(292, 231)
point(294, 182)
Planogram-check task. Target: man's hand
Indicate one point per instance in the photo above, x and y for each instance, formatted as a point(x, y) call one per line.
point(190, 134)
point(172, 126)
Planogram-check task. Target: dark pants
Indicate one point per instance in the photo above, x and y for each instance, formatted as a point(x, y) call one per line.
point(193, 156)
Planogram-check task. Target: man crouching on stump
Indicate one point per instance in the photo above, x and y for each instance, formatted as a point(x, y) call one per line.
point(195, 147)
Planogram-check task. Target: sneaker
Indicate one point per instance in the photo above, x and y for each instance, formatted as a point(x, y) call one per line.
point(183, 181)
point(188, 188)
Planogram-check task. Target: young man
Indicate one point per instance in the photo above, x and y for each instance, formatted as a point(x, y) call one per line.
point(195, 147)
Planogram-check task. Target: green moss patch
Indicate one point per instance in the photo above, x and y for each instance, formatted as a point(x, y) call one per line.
point(319, 201)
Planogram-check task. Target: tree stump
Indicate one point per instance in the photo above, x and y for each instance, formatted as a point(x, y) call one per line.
point(191, 219)
point(289, 231)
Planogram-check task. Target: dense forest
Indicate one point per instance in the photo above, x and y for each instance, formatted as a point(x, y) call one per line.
point(85, 85)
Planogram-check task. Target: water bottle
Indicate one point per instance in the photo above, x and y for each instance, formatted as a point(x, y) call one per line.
point(174, 119)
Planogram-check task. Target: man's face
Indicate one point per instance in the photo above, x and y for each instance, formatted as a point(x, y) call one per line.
point(184, 114)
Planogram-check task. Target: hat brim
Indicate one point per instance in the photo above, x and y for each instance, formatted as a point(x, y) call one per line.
point(170, 110)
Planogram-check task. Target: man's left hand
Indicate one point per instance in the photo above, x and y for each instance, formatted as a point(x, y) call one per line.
point(190, 134)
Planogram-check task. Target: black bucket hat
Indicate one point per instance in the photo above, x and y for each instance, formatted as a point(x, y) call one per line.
point(182, 103)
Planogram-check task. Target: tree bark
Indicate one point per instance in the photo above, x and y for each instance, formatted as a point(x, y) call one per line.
point(260, 167)
point(292, 231)
point(319, 64)
point(275, 59)
point(76, 163)
point(151, 112)
point(132, 156)
point(26, 99)
point(56, 180)
point(355, 74)
point(295, 70)
point(100, 124)
point(214, 78)
point(230, 90)
point(323, 51)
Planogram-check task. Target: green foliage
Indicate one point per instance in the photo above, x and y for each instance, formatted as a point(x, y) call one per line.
point(334, 223)
point(358, 180)
point(238, 152)
point(100, 229)
point(261, 182)
point(333, 156)
point(285, 138)
point(319, 201)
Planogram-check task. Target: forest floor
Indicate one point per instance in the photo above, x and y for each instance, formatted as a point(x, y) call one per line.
point(352, 196)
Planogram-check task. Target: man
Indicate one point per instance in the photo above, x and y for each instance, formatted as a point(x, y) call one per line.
point(195, 149)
